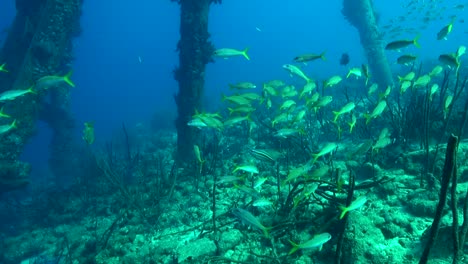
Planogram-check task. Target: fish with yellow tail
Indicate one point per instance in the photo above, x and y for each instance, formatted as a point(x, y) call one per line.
point(372, 89)
point(241, 109)
point(13, 94)
point(386, 93)
point(227, 53)
point(248, 218)
point(460, 51)
point(422, 81)
point(408, 77)
point(316, 242)
point(297, 172)
point(323, 101)
point(292, 69)
point(404, 86)
point(436, 71)
point(378, 110)
point(451, 60)
point(433, 90)
point(236, 120)
point(334, 80)
point(407, 59)
point(50, 81)
point(365, 72)
point(352, 124)
point(275, 84)
point(197, 152)
point(356, 204)
point(354, 71)
point(308, 88)
point(381, 143)
point(269, 90)
point(289, 91)
point(399, 44)
point(329, 148)
point(287, 104)
point(443, 33)
point(288, 132)
point(242, 86)
point(312, 100)
point(246, 168)
point(88, 133)
point(345, 109)
point(310, 57)
point(447, 103)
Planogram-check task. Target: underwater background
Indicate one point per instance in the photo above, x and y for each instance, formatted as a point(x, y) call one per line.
point(314, 189)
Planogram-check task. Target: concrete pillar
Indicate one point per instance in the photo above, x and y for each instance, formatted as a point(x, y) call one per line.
point(38, 44)
point(360, 14)
point(195, 51)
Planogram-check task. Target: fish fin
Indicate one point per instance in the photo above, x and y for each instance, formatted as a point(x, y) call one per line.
point(344, 210)
point(296, 201)
point(322, 56)
point(2, 114)
point(315, 156)
point(244, 53)
point(2, 68)
point(337, 114)
point(30, 89)
point(249, 118)
point(294, 249)
point(368, 118)
point(66, 78)
point(13, 124)
point(415, 41)
point(381, 95)
point(266, 230)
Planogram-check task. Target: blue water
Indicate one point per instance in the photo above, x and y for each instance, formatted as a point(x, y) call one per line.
point(126, 54)
point(114, 87)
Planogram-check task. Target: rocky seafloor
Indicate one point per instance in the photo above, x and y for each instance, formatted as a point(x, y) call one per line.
point(95, 221)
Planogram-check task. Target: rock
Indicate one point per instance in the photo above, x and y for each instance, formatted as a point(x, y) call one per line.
point(230, 239)
point(367, 171)
point(196, 249)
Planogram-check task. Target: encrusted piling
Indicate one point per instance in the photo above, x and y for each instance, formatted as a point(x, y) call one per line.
point(195, 51)
point(360, 13)
point(39, 43)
